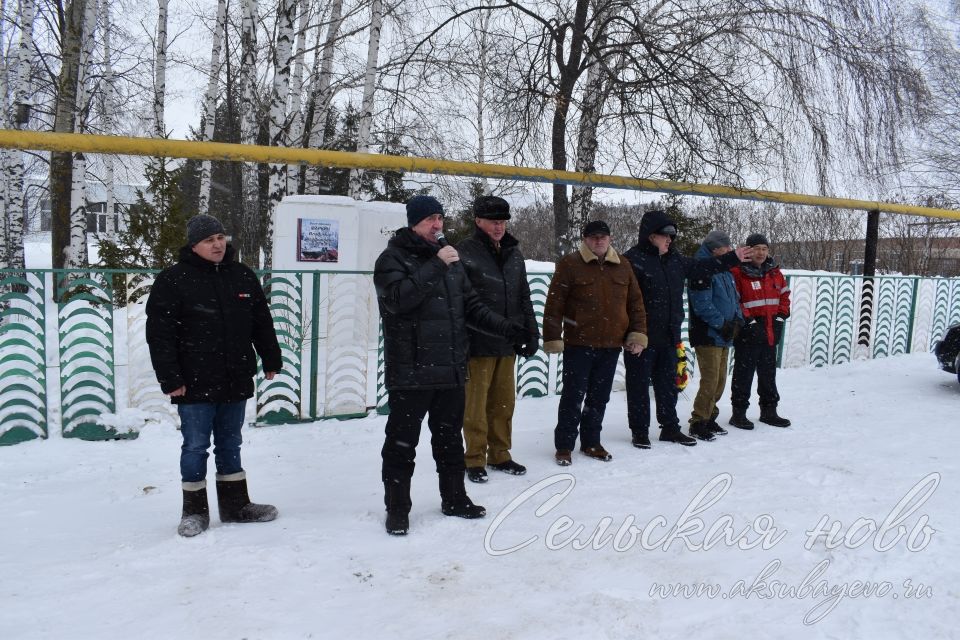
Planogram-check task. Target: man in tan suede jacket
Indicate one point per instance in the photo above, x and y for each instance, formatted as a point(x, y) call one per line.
point(594, 309)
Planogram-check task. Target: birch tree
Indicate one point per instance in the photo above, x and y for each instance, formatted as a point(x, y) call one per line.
point(15, 213)
point(279, 124)
point(369, 85)
point(5, 161)
point(78, 191)
point(210, 101)
point(296, 93)
point(248, 133)
point(160, 70)
point(107, 109)
point(321, 93)
point(483, 50)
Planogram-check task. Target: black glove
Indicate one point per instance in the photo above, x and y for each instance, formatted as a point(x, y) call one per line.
point(527, 349)
point(731, 329)
point(514, 332)
point(782, 316)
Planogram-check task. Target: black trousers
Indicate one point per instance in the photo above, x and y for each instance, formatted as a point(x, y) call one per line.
point(658, 365)
point(407, 410)
point(747, 359)
point(587, 379)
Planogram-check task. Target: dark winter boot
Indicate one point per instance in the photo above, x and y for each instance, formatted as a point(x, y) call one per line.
point(396, 497)
point(701, 431)
point(768, 415)
point(675, 435)
point(715, 428)
point(234, 503)
point(739, 419)
point(196, 512)
point(454, 500)
point(640, 440)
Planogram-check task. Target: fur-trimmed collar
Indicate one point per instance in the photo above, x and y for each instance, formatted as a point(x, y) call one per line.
point(589, 256)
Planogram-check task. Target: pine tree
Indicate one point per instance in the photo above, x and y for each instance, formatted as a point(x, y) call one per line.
point(155, 225)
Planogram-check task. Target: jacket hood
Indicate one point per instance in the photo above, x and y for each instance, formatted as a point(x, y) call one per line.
point(653, 221)
point(703, 252)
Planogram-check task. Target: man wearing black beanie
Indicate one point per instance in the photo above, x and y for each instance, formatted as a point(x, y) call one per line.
point(765, 300)
point(426, 300)
point(205, 317)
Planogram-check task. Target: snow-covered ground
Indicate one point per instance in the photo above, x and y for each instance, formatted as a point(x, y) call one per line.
point(88, 544)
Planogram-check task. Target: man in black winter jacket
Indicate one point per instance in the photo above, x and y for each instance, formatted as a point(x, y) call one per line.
point(425, 301)
point(205, 317)
point(494, 264)
point(662, 272)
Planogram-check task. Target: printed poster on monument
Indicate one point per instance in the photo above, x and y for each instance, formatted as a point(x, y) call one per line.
point(318, 240)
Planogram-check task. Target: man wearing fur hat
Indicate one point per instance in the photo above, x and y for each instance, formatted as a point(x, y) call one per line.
point(205, 317)
point(765, 301)
point(661, 272)
point(425, 301)
point(594, 309)
point(494, 264)
point(715, 320)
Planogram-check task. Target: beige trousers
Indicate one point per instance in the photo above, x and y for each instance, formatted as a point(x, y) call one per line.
point(712, 365)
point(491, 394)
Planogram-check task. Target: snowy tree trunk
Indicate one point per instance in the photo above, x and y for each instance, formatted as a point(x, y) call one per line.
point(484, 52)
point(107, 109)
point(61, 162)
point(595, 93)
point(4, 190)
point(14, 211)
point(321, 96)
point(77, 253)
point(278, 115)
point(366, 107)
point(296, 90)
point(210, 102)
point(160, 71)
point(248, 133)
point(594, 97)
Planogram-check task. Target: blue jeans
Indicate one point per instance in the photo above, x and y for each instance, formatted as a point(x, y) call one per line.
point(197, 423)
point(587, 372)
point(658, 365)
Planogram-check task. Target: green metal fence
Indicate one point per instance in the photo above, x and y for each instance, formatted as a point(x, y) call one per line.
point(73, 355)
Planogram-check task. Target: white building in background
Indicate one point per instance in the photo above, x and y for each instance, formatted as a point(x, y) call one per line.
point(37, 197)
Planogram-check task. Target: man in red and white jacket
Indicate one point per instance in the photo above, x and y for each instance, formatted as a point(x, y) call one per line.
point(765, 302)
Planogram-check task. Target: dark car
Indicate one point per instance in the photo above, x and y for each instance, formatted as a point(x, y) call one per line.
point(948, 350)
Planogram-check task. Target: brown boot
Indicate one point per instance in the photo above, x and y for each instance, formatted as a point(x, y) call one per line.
point(597, 453)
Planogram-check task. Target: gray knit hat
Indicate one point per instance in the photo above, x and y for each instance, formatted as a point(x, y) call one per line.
point(201, 227)
point(716, 239)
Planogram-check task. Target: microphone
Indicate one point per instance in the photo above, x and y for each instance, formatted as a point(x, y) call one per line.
point(441, 240)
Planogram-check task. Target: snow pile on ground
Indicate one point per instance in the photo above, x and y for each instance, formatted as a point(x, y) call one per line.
point(89, 544)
